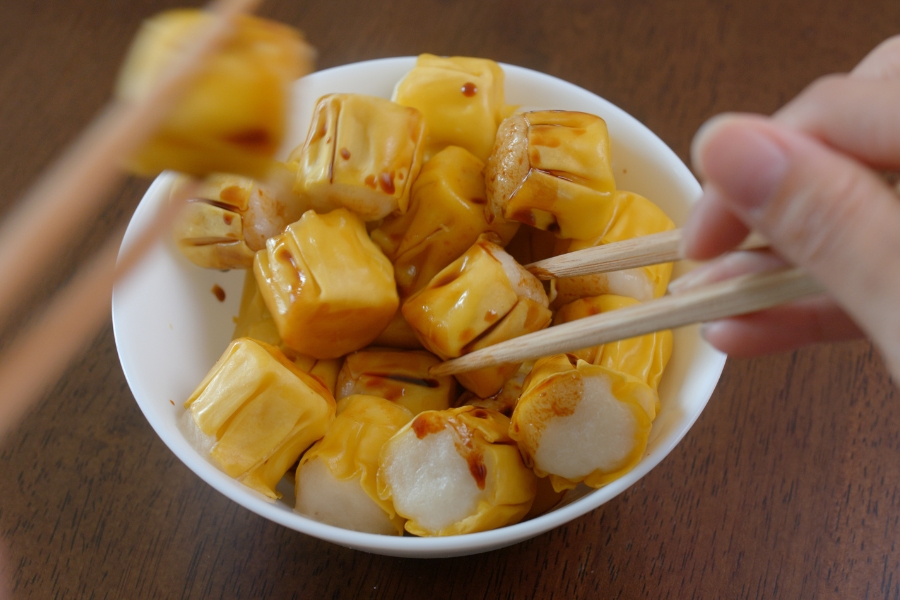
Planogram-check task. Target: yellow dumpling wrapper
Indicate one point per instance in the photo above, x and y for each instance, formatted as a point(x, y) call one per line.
point(551, 170)
point(461, 99)
point(469, 297)
point(503, 401)
point(481, 439)
point(644, 357)
point(361, 153)
point(262, 410)
point(233, 117)
point(482, 298)
point(445, 217)
point(398, 334)
point(545, 499)
point(228, 218)
point(212, 237)
point(526, 316)
point(323, 369)
point(209, 231)
point(329, 289)
point(352, 445)
point(398, 376)
point(631, 216)
point(255, 321)
point(576, 422)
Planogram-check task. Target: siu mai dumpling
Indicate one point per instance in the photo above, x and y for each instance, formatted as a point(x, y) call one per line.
point(551, 169)
point(258, 412)
point(455, 471)
point(329, 289)
point(233, 117)
point(576, 422)
point(228, 218)
point(336, 479)
point(362, 153)
point(461, 99)
point(398, 376)
point(482, 298)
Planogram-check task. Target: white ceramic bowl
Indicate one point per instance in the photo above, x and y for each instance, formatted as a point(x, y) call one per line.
point(170, 328)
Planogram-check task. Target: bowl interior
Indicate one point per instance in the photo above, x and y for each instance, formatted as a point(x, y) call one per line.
point(170, 328)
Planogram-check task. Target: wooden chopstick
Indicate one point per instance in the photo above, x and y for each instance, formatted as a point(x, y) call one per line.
point(66, 196)
point(737, 296)
point(63, 200)
point(40, 353)
point(637, 252)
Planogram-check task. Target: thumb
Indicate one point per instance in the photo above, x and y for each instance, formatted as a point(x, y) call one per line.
point(820, 209)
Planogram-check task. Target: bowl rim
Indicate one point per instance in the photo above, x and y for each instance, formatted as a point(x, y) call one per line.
point(405, 545)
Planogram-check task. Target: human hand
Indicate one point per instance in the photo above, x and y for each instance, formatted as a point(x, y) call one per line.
point(806, 179)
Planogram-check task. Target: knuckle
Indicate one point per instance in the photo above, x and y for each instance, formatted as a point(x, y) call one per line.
point(883, 61)
point(826, 84)
point(820, 91)
point(891, 46)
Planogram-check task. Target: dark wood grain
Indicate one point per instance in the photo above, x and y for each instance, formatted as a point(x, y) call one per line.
point(786, 487)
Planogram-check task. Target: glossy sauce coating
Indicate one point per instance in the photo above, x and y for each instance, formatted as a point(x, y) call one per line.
point(218, 292)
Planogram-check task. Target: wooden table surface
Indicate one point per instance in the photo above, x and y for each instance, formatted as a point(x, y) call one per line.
point(786, 487)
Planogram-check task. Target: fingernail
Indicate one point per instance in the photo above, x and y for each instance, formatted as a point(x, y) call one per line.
point(689, 280)
point(716, 332)
point(701, 138)
point(728, 266)
point(740, 157)
point(677, 286)
point(707, 330)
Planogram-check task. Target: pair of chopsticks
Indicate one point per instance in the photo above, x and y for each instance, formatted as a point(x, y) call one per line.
point(62, 202)
point(729, 298)
point(733, 297)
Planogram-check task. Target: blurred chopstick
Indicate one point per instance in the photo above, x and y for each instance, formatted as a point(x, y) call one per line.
point(60, 203)
point(737, 296)
point(637, 252)
point(71, 191)
point(40, 353)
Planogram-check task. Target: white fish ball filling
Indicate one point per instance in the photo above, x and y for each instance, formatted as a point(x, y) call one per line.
point(632, 283)
point(523, 282)
point(429, 481)
point(323, 497)
point(600, 434)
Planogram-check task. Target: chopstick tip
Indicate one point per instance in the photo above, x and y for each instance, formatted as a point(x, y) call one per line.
point(539, 272)
point(442, 369)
